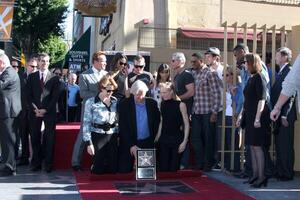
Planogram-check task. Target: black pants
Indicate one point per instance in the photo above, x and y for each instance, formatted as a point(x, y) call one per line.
point(8, 142)
point(72, 113)
point(24, 134)
point(42, 146)
point(106, 152)
point(126, 161)
point(168, 157)
point(203, 140)
point(284, 144)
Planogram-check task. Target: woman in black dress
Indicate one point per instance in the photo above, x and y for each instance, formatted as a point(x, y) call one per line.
point(173, 130)
point(255, 118)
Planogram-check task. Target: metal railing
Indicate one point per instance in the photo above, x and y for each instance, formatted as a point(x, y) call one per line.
point(278, 2)
point(151, 37)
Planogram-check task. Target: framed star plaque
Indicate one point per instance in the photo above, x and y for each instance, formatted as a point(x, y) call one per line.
point(146, 164)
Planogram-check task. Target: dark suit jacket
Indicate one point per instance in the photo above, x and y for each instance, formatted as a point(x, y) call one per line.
point(289, 108)
point(23, 79)
point(128, 123)
point(10, 93)
point(43, 98)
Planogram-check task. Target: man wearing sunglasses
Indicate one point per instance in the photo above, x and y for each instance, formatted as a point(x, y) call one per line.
point(31, 67)
point(139, 74)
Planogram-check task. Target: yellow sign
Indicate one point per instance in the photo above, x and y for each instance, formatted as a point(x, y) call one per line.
point(6, 16)
point(96, 8)
point(23, 59)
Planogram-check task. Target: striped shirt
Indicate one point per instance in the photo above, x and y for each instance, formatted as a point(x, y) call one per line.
point(208, 91)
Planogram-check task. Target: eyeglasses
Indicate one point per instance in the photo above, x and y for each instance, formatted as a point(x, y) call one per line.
point(138, 66)
point(108, 90)
point(121, 63)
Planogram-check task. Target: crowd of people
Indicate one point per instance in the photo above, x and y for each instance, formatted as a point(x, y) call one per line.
point(177, 111)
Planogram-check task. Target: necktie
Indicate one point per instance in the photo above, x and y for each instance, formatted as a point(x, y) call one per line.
point(42, 80)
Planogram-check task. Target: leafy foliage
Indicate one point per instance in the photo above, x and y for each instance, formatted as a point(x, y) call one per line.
point(36, 21)
point(55, 47)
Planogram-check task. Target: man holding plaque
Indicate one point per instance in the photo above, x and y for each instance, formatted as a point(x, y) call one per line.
point(139, 119)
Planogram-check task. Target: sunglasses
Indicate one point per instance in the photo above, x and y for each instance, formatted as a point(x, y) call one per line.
point(33, 66)
point(121, 63)
point(193, 61)
point(108, 91)
point(227, 74)
point(58, 74)
point(138, 66)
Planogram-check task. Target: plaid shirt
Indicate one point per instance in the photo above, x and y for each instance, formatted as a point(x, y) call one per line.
point(208, 91)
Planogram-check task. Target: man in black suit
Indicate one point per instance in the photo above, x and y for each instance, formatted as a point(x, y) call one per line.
point(10, 107)
point(284, 126)
point(31, 66)
point(43, 93)
point(139, 119)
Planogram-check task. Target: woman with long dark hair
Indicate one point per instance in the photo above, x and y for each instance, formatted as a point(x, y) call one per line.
point(163, 76)
point(119, 72)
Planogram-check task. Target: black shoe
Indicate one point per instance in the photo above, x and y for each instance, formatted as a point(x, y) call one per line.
point(48, 169)
point(250, 180)
point(77, 168)
point(260, 184)
point(35, 168)
point(217, 166)
point(241, 175)
point(22, 162)
point(207, 169)
point(7, 172)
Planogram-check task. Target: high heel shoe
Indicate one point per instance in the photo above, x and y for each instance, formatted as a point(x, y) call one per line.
point(250, 180)
point(259, 184)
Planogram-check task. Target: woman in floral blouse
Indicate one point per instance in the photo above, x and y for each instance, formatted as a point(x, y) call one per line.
point(100, 128)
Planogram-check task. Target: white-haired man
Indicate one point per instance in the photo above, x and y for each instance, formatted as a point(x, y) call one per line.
point(139, 119)
point(185, 90)
point(284, 137)
point(10, 107)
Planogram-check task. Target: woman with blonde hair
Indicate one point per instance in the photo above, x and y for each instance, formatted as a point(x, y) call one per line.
point(173, 130)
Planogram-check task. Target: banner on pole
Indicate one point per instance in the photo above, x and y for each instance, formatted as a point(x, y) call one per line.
point(6, 17)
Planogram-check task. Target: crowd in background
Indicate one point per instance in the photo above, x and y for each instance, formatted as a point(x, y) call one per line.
point(178, 110)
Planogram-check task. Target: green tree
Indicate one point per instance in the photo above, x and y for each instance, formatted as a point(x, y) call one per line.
point(55, 47)
point(36, 21)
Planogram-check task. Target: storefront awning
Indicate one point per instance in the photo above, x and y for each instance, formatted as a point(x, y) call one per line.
point(212, 33)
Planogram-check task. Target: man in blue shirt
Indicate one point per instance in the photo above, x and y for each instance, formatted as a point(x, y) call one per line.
point(139, 119)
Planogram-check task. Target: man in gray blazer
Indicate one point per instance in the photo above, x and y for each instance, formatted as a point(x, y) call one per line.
point(10, 107)
point(89, 87)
